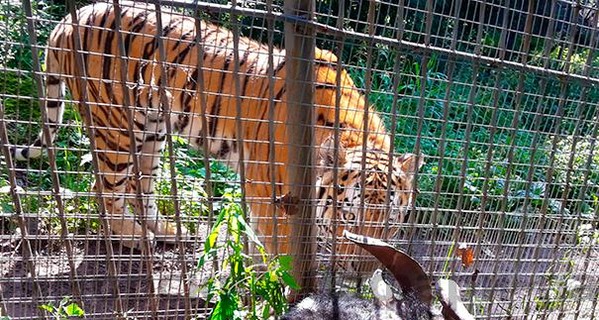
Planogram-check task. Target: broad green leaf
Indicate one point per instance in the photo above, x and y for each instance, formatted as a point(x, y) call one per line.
point(203, 257)
point(272, 276)
point(211, 241)
point(48, 307)
point(266, 311)
point(288, 280)
point(285, 262)
point(225, 307)
point(73, 310)
point(234, 229)
point(249, 232)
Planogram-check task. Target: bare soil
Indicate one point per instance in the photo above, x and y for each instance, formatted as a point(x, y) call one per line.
point(505, 282)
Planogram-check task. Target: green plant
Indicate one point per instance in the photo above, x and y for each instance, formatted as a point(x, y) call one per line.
point(587, 238)
point(65, 309)
point(561, 289)
point(562, 285)
point(241, 288)
point(190, 178)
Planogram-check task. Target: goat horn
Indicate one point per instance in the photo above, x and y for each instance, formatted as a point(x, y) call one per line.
point(408, 273)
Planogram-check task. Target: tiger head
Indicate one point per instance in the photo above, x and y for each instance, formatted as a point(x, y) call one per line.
point(371, 193)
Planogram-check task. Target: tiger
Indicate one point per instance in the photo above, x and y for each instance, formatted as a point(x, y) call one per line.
point(121, 101)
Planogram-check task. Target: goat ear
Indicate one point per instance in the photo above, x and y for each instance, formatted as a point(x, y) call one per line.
point(381, 290)
point(449, 293)
point(408, 273)
point(326, 154)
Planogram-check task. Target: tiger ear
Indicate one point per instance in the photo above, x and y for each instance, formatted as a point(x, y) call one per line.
point(410, 163)
point(326, 154)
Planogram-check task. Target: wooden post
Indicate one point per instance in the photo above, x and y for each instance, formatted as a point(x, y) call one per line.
point(299, 45)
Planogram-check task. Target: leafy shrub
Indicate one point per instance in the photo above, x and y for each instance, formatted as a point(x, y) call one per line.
point(241, 289)
point(496, 146)
point(66, 309)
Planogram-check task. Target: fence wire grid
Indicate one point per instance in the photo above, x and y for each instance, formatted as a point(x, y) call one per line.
point(498, 98)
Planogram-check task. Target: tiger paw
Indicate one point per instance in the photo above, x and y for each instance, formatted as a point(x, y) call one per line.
point(136, 241)
point(166, 231)
point(130, 233)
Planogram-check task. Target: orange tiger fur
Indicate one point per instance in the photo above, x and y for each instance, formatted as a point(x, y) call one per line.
point(109, 116)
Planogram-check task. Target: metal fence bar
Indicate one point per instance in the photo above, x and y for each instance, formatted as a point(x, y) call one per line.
point(451, 67)
point(423, 76)
point(52, 158)
point(567, 187)
point(239, 127)
point(270, 72)
point(424, 69)
point(336, 147)
point(53, 168)
point(396, 82)
point(582, 193)
point(473, 92)
point(299, 44)
point(439, 177)
point(22, 221)
point(81, 77)
point(518, 98)
point(543, 88)
point(365, 121)
point(587, 256)
point(203, 103)
point(467, 135)
point(561, 213)
point(147, 249)
point(550, 176)
point(166, 109)
point(484, 215)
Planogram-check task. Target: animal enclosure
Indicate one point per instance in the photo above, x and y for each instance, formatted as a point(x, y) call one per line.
point(202, 164)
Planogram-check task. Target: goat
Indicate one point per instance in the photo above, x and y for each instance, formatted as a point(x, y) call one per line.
point(413, 302)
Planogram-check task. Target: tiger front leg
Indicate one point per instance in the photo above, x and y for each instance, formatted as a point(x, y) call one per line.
point(150, 143)
point(149, 163)
point(114, 173)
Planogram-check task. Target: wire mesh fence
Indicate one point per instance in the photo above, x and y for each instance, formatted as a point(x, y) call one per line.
point(168, 191)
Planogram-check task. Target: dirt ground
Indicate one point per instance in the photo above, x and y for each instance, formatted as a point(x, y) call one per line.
point(98, 290)
point(517, 284)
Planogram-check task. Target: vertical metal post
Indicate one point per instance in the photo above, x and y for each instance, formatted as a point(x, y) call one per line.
point(299, 44)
